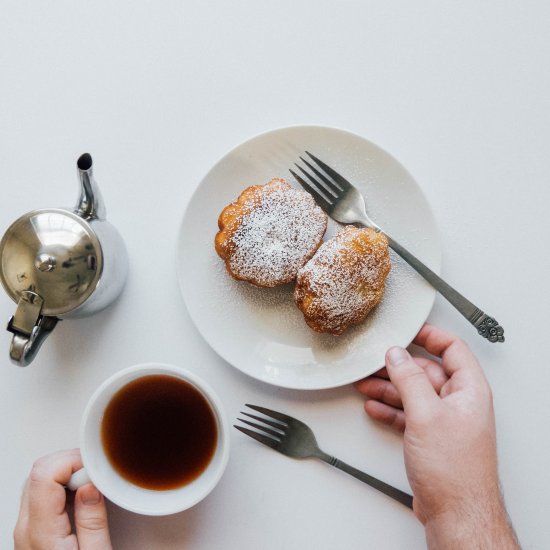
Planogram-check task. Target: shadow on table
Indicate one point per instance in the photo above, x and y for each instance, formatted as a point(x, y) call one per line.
point(132, 531)
point(262, 390)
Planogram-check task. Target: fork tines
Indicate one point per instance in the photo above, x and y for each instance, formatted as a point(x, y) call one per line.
point(282, 418)
point(266, 435)
point(326, 185)
point(265, 439)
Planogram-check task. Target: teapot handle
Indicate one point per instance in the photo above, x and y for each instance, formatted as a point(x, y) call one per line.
point(29, 328)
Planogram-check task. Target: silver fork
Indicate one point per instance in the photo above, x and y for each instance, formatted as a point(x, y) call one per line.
point(344, 203)
point(293, 438)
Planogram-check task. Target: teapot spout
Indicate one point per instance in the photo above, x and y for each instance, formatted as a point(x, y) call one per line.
point(90, 205)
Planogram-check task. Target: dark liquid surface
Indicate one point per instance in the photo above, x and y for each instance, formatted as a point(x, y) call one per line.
point(159, 432)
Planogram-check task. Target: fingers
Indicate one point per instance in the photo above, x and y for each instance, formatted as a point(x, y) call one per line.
point(390, 416)
point(42, 515)
point(412, 383)
point(434, 340)
point(434, 371)
point(45, 490)
point(455, 352)
point(382, 373)
point(57, 467)
point(90, 515)
point(383, 390)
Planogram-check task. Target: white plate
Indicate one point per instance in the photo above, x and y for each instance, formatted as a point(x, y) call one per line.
point(261, 331)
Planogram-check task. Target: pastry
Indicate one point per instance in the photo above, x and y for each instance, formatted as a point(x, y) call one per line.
point(344, 280)
point(269, 233)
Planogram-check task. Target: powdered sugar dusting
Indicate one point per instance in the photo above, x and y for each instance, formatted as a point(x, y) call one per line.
point(344, 280)
point(276, 231)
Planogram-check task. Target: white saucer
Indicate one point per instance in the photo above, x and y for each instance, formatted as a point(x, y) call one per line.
point(261, 331)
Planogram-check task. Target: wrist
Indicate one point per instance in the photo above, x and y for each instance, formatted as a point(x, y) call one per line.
point(481, 524)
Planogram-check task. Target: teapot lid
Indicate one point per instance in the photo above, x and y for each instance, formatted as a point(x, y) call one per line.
point(53, 253)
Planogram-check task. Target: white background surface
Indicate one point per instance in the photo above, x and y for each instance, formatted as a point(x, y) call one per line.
point(157, 92)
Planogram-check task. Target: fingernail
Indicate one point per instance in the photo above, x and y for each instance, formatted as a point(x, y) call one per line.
point(397, 355)
point(91, 496)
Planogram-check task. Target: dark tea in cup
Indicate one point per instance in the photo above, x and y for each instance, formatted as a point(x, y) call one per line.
point(159, 432)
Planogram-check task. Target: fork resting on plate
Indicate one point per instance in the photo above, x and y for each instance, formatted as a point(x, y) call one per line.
point(343, 202)
point(293, 438)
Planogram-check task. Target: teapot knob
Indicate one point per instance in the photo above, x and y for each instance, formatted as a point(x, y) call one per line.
point(45, 262)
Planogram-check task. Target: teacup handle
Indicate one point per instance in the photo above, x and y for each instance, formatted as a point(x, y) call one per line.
point(78, 479)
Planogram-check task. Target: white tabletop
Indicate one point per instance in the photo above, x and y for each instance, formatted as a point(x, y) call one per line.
point(157, 92)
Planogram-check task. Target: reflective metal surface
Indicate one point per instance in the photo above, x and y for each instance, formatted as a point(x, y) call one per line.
point(52, 262)
point(53, 253)
point(90, 205)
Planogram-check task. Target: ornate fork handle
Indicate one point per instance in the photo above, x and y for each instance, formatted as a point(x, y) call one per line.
point(486, 325)
point(396, 494)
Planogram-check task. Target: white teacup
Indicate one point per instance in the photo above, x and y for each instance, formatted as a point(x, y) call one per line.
point(101, 473)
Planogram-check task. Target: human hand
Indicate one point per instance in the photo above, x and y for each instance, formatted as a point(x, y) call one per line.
point(445, 410)
point(44, 523)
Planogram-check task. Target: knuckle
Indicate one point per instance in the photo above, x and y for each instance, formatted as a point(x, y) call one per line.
point(37, 470)
point(460, 344)
point(460, 348)
point(415, 374)
point(93, 522)
point(39, 462)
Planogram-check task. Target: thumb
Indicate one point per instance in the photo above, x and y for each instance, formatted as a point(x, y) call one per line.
point(417, 393)
point(90, 516)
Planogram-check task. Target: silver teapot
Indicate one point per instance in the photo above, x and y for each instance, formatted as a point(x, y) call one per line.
point(57, 263)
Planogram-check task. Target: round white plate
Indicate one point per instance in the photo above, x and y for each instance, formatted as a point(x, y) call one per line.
point(261, 331)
